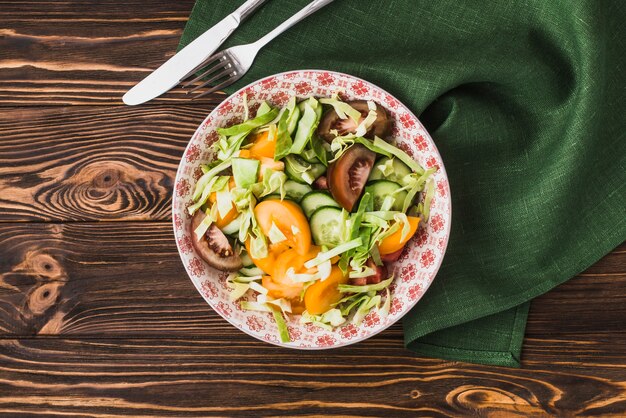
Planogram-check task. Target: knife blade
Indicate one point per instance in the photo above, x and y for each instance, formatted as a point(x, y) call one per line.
point(187, 60)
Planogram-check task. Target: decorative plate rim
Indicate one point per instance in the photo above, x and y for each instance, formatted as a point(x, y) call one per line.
point(236, 324)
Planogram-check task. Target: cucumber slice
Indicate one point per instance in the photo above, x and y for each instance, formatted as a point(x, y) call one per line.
point(246, 260)
point(309, 156)
point(326, 226)
point(299, 170)
point(292, 120)
point(380, 189)
point(315, 200)
point(233, 227)
point(251, 271)
point(296, 190)
point(276, 196)
point(399, 170)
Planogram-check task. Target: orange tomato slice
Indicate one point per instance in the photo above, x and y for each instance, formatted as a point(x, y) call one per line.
point(280, 285)
point(321, 295)
point(263, 145)
point(268, 263)
point(393, 242)
point(286, 215)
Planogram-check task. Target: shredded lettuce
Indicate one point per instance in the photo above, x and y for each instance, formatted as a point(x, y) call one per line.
point(247, 305)
point(249, 125)
point(257, 287)
point(343, 109)
point(211, 216)
point(311, 114)
point(364, 271)
point(224, 201)
point(397, 152)
point(348, 288)
point(327, 255)
point(384, 310)
point(366, 123)
point(275, 234)
point(206, 178)
point(273, 182)
point(283, 330)
point(283, 136)
point(237, 290)
point(401, 219)
point(365, 307)
point(245, 171)
point(328, 320)
point(263, 109)
point(430, 193)
point(247, 279)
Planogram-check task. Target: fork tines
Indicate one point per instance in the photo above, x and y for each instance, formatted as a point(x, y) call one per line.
point(220, 70)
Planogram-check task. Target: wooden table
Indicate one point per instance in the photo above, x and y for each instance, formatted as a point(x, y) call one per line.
point(97, 315)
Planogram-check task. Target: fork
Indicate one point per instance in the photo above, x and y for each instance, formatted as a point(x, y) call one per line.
point(232, 63)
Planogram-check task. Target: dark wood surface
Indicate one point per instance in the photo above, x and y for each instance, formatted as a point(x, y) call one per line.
point(97, 316)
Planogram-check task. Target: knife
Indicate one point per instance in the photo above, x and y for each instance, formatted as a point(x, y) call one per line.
point(190, 58)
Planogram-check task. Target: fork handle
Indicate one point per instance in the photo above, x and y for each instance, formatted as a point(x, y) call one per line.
point(306, 11)
point(246, 9)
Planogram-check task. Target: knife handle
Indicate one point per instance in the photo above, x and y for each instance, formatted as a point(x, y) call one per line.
point(246, 9)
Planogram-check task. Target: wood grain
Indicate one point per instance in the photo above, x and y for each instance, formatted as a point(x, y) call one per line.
point(78, 52)
point(176, 377)
point(92, 163)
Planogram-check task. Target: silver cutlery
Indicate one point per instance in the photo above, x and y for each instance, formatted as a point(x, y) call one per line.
point(189, 59)
point(231, 64)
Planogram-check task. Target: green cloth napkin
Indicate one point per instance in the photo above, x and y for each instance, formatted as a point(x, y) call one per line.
point(525, 101)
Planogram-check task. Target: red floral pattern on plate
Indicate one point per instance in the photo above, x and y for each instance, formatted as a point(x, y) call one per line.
point(325, 341)
point(414, 292)
point(185, 245)
point(303, 88)
point(416, 266)
point(427, 258)
point(255, 323)
point(182, 188)
point(436, 222)
point(359, 88)
point(348, 331)
point(325, 79)
point(196, 267)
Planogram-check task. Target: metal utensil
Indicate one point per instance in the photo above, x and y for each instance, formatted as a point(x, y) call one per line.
point(232, 63)
point(189, 59)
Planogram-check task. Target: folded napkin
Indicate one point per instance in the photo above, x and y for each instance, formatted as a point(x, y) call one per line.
point(525, 101)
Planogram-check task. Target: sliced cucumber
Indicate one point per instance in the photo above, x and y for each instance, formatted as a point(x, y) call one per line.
point(276, 196)
point(246, 260)
point(299, 170)
point(251, 271)
point(309, 156)
point(399, 170)
point(380, 189)
point(292, 120)
point(326, 226)
point(296, 190)
point(233, 227)
point(315, 200)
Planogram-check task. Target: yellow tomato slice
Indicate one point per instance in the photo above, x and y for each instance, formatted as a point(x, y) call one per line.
point(281, 285)
point(268, 263)
point(263, 145)
point(393, 243)
point(320, 296)
point(289, 219)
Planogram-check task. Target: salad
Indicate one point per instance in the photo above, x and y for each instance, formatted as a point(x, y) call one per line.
point(306, 205)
